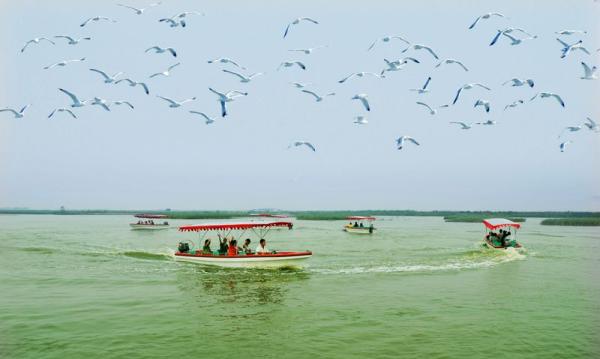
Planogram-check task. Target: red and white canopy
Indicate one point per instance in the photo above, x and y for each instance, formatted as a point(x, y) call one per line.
point(232, 226)
point(360, 218)
point(150, 216)
point(495, 223)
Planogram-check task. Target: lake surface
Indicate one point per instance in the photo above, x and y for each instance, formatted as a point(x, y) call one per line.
point(89, 287)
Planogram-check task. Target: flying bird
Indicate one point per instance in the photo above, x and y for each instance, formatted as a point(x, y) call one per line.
point(516, 41)
point(175, 104)
point(360, 74)
point(160, 50)
point(589, 73)
point(363, 99)
point(397, 65)
point(566, 50)
point(179, 19)
point(167, 72)
point(76, 101)
point(519, 82)
point(484, 103)
point(570, 32)
point(468, 87)
point(360, 120)
point(244, 78)
point(36, 41)
point(308, 51)
point(431, 111)
point(317, 97)
point(486, 123)
point(463, 126)
point(225, 60)
point(387, 39)
point(101, 102)
point(570, 129)
point(485, 17)
point(563, 145)
point(62, 110)
point(134, 84)
point(303, 143)
point(422, 47)
point(208, 119)
point(401, 140)
point(549, 94)
point(452, 61)
point(300, 84)
point(107, 79)
point(227, 97)
point(423, 89)
point(64, 63)
point(591, 125)
point(292, 63)
point(136, 10)
point(509, 31)
point(513, 105)
point(296, 22)
point(96, 18)
point(17, 114)
point(72, 40)
point(118, 103)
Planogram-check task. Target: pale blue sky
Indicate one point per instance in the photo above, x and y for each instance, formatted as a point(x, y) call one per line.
point(158, 157)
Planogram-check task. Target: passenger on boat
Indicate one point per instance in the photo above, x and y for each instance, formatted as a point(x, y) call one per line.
point(232, 250)
point(262, 247)
point(361, 225)
point(246, 247)
point(355, 224)
point(223, 247)
point(206, 249)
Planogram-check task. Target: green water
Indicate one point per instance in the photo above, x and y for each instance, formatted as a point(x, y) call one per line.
point(88, 287)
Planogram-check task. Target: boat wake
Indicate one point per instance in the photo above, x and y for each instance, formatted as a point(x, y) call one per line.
point(148, 255)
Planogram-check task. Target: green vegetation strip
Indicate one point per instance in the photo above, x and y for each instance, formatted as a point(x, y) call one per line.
point(571, 222)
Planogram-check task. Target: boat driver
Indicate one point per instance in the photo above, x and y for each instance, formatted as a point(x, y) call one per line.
point(262, 247)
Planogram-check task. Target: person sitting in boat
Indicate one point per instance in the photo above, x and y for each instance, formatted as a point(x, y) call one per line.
point(246, 247)
point(232, 250)
point(361, 225)
point(355, 224)
point(223, 246)
point(206, 249)
point(262, 247)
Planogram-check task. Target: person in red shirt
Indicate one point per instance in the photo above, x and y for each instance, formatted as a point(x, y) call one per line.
point(232, 250)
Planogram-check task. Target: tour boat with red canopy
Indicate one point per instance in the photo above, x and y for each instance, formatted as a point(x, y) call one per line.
point(360, 224)
point(150, 222)
point(272, 217)
point(189, 251)
point(501, 233)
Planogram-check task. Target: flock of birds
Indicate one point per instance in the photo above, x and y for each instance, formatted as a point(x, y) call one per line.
point(516, 36)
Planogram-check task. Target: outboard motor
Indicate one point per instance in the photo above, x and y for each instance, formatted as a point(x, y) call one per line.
point(183, 247)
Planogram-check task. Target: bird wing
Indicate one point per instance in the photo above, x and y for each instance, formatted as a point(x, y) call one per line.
point(172, 51)
point(457, 94)
point(365, 102)
point(309, 145)
point(286, 30)
point(242, 77)
point(124, 103)
point(23, 109)
point(401, 38)
point(155, 48)
point(584, 50)
point(201, 114)
point(86, 22)
point(461, 65)
point(495, 39)
point(586, 69)
point(216, 92)
point(430, 51)
point(130, 7)
point(347, 77)
point(534, 96)
point(312, 93)
point(168, 100)
point(72, 96)
point(70, 112)
point(302, 66)
point(101, 73)
point(51, 113)
point(65, 37)
point(223, 109)
point(424, 104)
point(131, 82)
point(413, 141)
point(9, 110)
point(482, 86)
point(52, 66)
point(146, 89)
point(562, 42)
point(474, 23)
point(309, 19)
point(559, 99)
point(426, 82)
point(173, 66)
point(372, 45)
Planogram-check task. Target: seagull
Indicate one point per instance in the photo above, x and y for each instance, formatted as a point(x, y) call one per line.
point(317, 97)
point(360, 120)
point(400, 141)
point(514, 104)
point(244, 78)
point(508, 31)
point(519, 82)
point(387, 39)
point(227, 97)
point(570, 129)
point(76, 101)
point(62, 110)
point(591, 125)
point(101, 102)
point(292, 63)
point(486, 123)
point(309, 50)
point(72, 40)
point(360, 74)
point(424, 88)
point(19, 114)
point(363, 98)
point(398, 65)
point(463, 126)
point(563, 145)
point(225, 60)
point(167, 72)
point(108, 79)
point(549, 94)
point(209, 120)
point(589, 73)
point(516, 41)
point(485, 17)
point(431, 111)
point(296, 22)
point(96, 18)
point(123, 103)
point(64, 63)
point(452, 61)
point(175, 104)
point(468, 87)
point(139, 11)
point(568, 48)
point(160, 50)
point(303, 143)
point(483, 103)
point(134, 84)
point(570, 32)
point(300, 84)
point(172, 22)
point(178, 19)
point(36, 41)
point(421, 47)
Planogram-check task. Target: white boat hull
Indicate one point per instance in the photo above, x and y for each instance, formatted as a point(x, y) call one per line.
point(363, 230)
point(149, 227)
point(250, 261)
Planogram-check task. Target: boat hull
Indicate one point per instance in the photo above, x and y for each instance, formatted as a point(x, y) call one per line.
point(359, 230)
point(148, 227)
point(278, 260)
point(491, 245)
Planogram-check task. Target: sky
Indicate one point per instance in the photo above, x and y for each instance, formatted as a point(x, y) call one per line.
point(156, 157)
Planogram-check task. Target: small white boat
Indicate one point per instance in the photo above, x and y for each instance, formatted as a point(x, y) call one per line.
point(274, 259)
point(146, 222)
point(359, 226)
point(501, 234)
point(272, 217)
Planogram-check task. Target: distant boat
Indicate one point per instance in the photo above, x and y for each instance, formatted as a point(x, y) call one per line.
point(501, 234)
point(146, 222)
point(359, 225)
